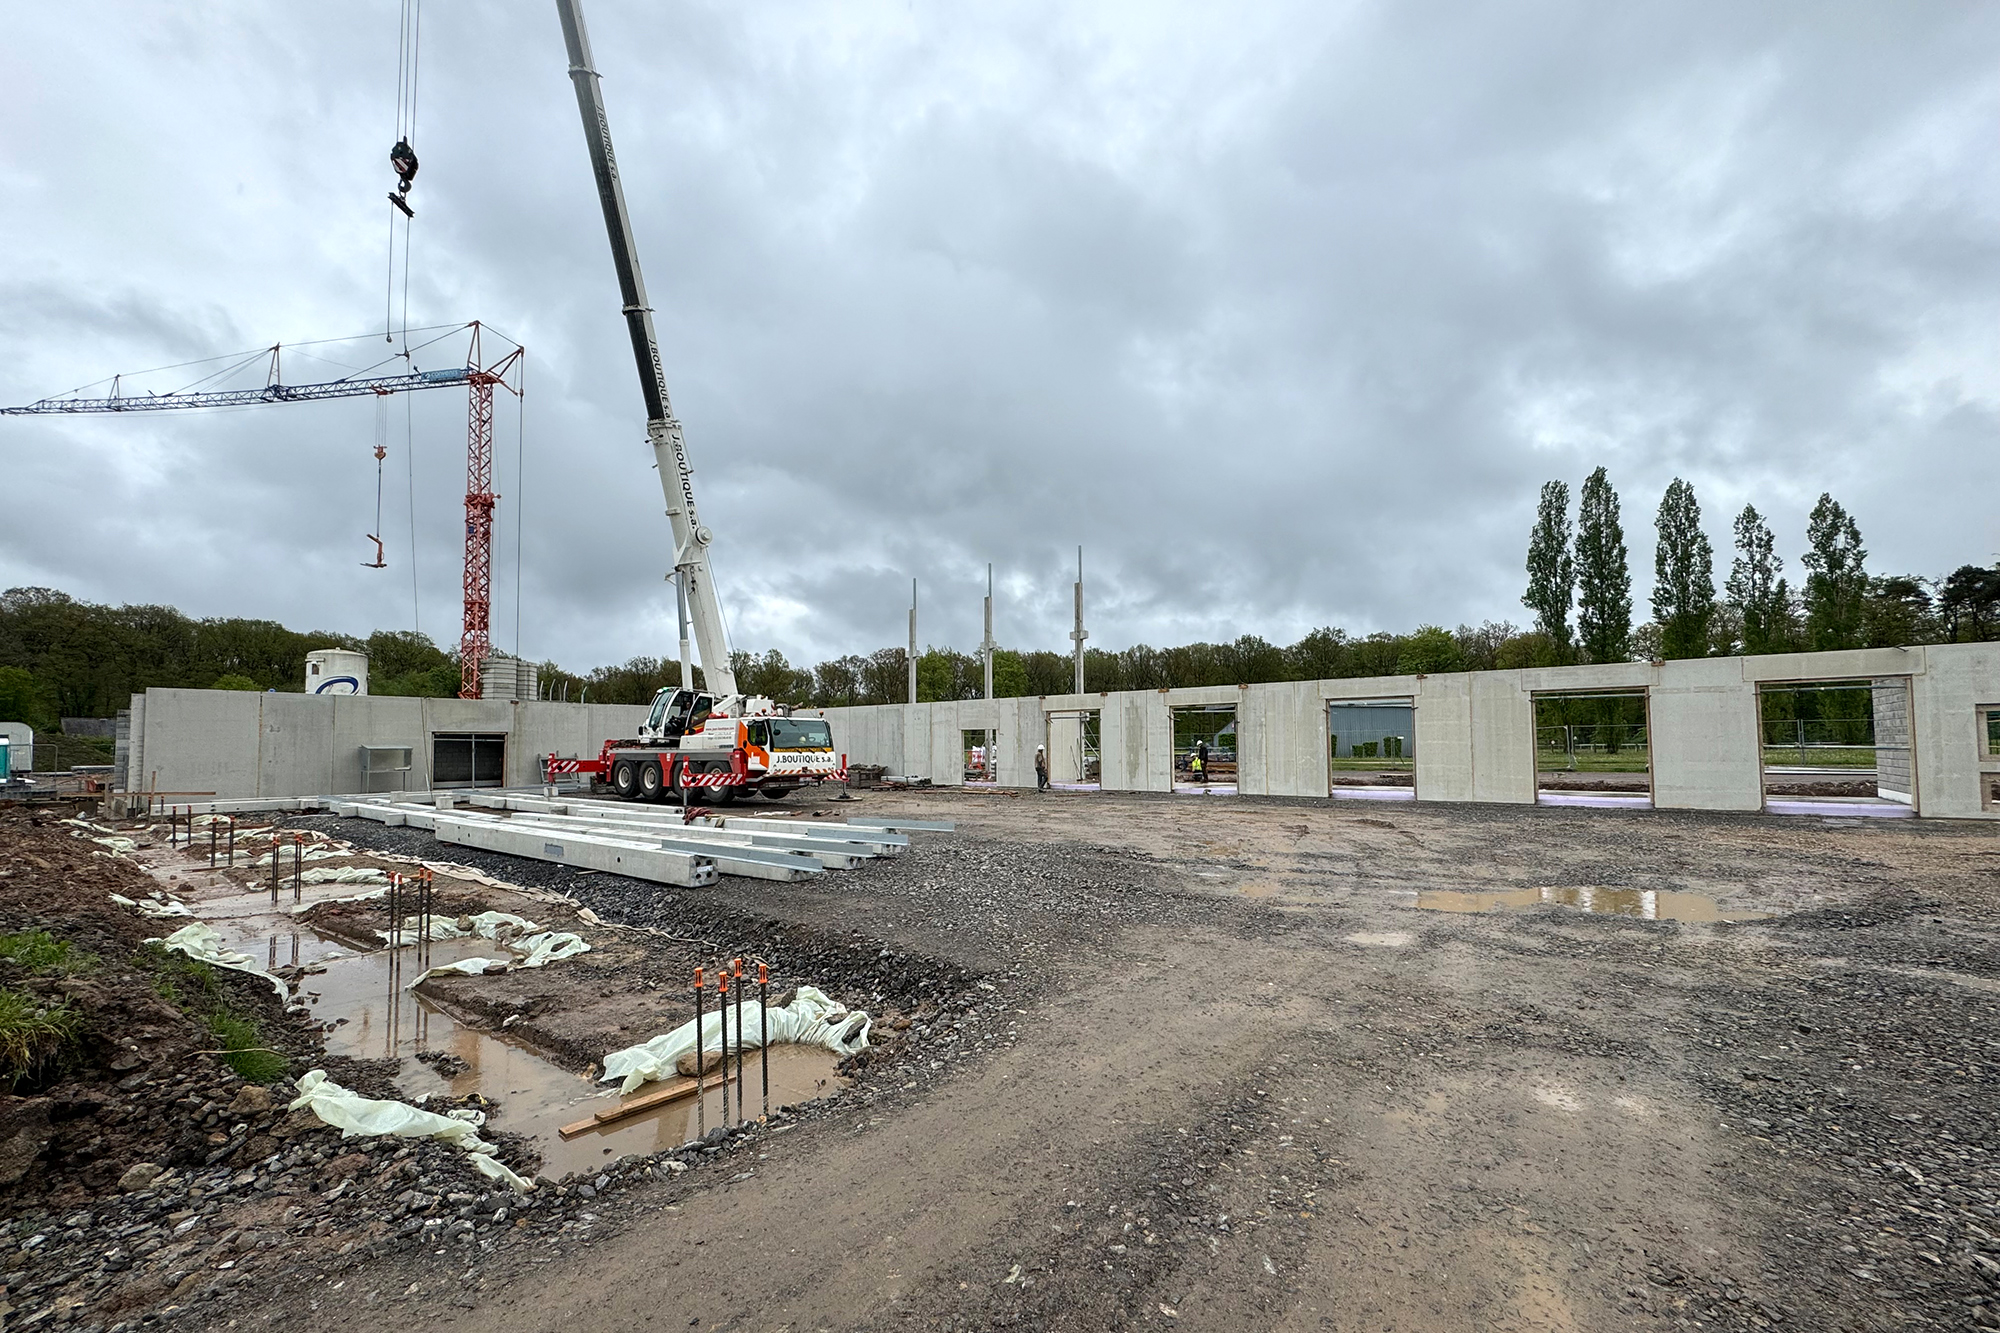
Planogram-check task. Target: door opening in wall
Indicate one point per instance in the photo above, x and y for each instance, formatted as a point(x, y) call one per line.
point(1371, 749)
point(1593, 749)
point(1988, 717)
point(1205, 750)
point(976, 749)
point(1074, 761)
point(1837, 747)
point(468, 759)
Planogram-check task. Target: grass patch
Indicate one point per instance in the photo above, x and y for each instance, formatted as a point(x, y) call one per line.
point(38, 951)
point(34, 1037)
point(191, 986)
point(243, 1048)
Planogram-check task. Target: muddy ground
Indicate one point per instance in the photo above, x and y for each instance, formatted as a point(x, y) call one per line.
point(1208, 1064)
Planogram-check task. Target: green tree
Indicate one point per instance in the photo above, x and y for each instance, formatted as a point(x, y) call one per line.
point(236, 683)
point(1898, 613)
point(1755, 588)
point(1430, 649)
point(1684, 575)
point(24, 699)
point(1551, 567)
point(1010, 675)
point(1836, 579)
point(1969, 604)
point(1603, 574)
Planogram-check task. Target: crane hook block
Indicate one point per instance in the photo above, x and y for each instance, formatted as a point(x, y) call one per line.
point(404, 159)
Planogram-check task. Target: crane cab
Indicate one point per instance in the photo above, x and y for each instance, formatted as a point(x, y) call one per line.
point(675, 713)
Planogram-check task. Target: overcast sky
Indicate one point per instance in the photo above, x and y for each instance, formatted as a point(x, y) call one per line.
point(1284, 312)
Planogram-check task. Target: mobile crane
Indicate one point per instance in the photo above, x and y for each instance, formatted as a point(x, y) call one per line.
point(717, 739)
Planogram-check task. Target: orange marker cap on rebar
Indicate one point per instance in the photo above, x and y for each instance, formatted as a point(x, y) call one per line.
point(722, 981)
point(737, 963)
point(763, 974)
point(699, 980)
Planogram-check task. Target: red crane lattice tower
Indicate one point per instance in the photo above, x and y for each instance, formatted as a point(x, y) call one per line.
point(476, 640)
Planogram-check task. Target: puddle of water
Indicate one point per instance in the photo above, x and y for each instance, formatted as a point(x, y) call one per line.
point(535, 1096)
point(1647, 904)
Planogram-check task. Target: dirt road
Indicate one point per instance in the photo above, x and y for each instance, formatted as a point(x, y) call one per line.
point(1230, 1075)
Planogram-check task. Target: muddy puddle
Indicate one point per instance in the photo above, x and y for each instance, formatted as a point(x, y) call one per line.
point(365, 1011)
point(1646, 904)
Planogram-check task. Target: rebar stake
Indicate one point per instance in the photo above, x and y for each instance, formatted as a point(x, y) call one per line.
point(700, 1060)
point(722, 1003)
point(764, 1031)
point(298, 866)
point(232, 840)
point(742, 1110)
point(275, 858)
point(213, 837)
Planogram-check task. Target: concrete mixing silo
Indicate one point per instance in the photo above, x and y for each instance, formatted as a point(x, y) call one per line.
point(336, 671)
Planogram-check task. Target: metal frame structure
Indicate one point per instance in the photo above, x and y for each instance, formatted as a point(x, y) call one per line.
point(479, 378)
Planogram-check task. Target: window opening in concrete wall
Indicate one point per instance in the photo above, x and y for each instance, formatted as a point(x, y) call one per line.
point(467, 759)
point(1371, 749)
point(1209, 731)
point(1989, 756)
point(1073, 750)
point(1593, 749)
point(1838, 747)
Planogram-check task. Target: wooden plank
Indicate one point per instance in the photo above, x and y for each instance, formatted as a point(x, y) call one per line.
point(639, 1105)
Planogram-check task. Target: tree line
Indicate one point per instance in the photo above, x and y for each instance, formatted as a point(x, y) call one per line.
point(60, 657)
point(1756, 610)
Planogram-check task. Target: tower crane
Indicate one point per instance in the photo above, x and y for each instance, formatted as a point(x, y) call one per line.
point(479, 376)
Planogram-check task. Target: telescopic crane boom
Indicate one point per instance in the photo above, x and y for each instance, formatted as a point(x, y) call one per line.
point(691, 539)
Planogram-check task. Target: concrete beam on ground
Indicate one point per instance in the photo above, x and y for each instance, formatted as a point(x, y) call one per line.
point(890, 824)
point(836, 847)
point(613, 856)
point(756, 860)
point(880, 837)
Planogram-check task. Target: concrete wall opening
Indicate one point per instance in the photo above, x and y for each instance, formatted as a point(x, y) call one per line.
point(1989, 757)
point(976, 749)
point(1838, 747)
point(1205, 733)
point(468, 759)
point(1075, 762)
point(1593, 749)
point(1371, 749)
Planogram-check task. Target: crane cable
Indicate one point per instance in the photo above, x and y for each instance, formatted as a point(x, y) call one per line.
point(407, 48)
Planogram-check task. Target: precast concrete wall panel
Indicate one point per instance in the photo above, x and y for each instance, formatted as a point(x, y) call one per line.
point(295, 744)
point(1958, 679)
point(1443, 765)
point(1281, 740)
point(202, 741)
point(1135, 742)
point(375, 719)
point(135, 753)
point(1503, 739)
point(1703, 739)
point(946, 767)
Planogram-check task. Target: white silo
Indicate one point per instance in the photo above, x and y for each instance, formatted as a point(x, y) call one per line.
point(336, 671)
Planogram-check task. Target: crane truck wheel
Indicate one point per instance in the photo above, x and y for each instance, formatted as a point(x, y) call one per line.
point(777, 793)
point(625, 779)
point(650, 782)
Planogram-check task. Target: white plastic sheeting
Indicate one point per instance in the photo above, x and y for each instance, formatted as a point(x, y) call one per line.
point(357, 1116)
point(811, 1019)
point(203, 943)
point(155, 908)
point(500, 926)
point(343, 875)
point(550, 946)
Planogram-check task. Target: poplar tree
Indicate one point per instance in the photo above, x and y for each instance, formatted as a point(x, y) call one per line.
point(1683, 575)
point(1755, 589)
point(1836, 581)
point(1603, 575)
point(1551, 569)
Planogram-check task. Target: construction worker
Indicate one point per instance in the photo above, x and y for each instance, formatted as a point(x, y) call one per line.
point(1041, 769)
point(1198, 763)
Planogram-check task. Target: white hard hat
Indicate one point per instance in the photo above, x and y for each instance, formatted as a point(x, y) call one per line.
point(1038, 749)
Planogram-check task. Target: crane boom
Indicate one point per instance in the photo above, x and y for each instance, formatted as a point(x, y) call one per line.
point(270, 393)
point(663, 432)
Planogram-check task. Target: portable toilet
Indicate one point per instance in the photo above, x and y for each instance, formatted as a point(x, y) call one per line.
point(336, 671)
point(6, 755)
point(17, 748)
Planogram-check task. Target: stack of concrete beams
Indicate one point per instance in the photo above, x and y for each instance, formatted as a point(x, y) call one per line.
point(643, 841)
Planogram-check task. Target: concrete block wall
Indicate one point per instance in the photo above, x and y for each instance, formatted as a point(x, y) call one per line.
point(1474, 732)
